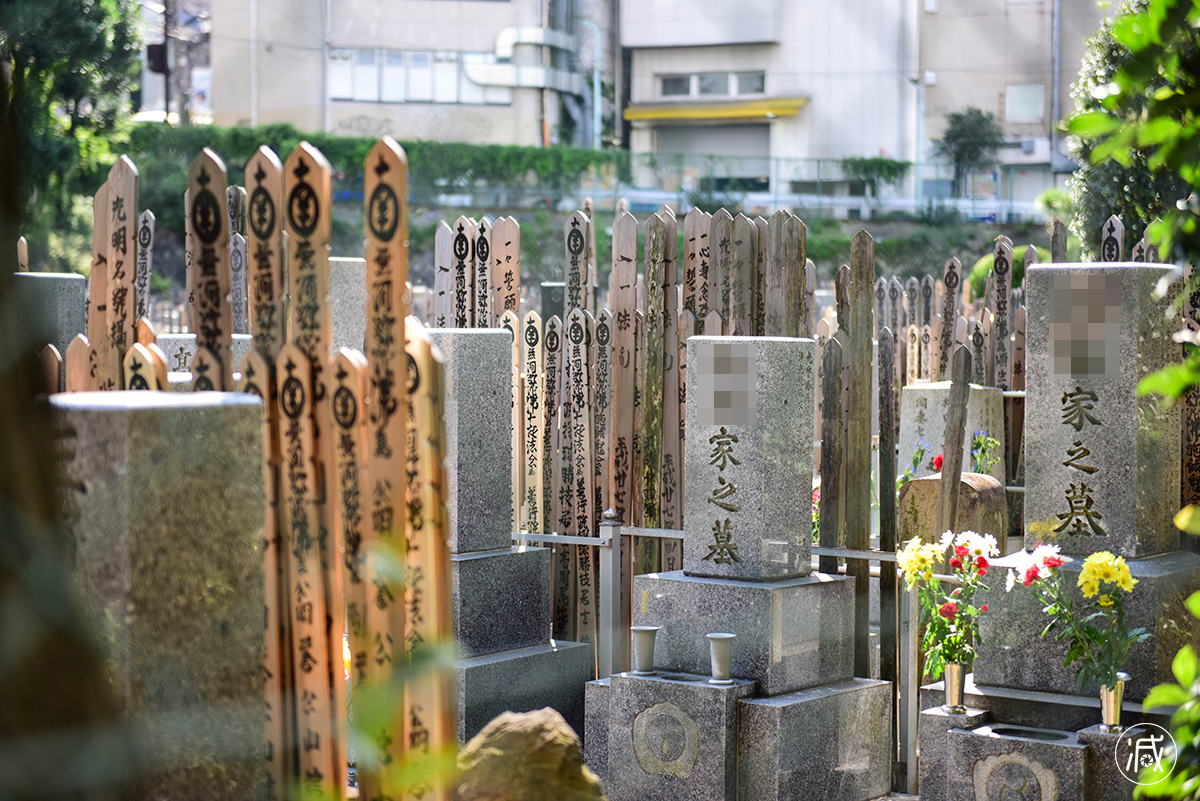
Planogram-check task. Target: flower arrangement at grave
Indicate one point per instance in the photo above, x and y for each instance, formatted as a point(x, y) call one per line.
point(816, 515)
point(950, 617)
point(918, 458)
point(1097, 637)
point(983, 445)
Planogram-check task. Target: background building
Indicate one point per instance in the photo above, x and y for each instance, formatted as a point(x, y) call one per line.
point(517, 72)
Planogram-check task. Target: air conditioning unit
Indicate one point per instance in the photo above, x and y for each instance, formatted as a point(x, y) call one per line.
point(1027, 146)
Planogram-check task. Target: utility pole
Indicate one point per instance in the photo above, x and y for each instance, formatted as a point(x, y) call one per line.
point(166, 62)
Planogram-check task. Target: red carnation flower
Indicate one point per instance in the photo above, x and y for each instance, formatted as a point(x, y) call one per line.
point(981, 564)
point(937, 462)
point(948, 610)
point(1031, 575)
point(960, 551)
point(955, 562)
point(1052, 562)
point(983, 608)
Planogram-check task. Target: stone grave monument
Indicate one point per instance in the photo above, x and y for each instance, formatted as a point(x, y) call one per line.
point(793, 721)
point(1102, 473)
point(506, 660)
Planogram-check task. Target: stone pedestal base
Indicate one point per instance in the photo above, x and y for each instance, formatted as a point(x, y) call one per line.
point(932, 729)
point(1010, 656)
point(501, 600)
point(999, 761)
point(791, 634)
point(670, 737)
point(1105, 781)
point(1037, 709)
point(831, 742)
point(550, 674)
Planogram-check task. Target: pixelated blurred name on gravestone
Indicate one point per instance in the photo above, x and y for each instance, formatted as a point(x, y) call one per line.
point(727, 394)
point(1086, 321)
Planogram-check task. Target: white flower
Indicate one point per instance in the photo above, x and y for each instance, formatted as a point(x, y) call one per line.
point(1042, 551)
point(1018, 564)
point(1010, 581)
point(977, 544)
point(947, 538)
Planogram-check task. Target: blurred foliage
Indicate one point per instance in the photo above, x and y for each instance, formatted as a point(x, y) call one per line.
point(72, 64)
point(1131, 188)
point(874, 172)
point(983, 268)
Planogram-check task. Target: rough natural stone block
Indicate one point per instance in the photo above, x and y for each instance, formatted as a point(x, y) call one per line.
point(830, 742)
point(1101, 464)
point(672, 738)
point(1012, 655)
point(932, 727)
point(55, 305)
point(167, 526)
point(478, 436)
point(994, 760)
point(595, 725)
point(501, 599)
point(348, 302)
point(791, 634)
point(550, 674)
point(748, 497)
point(923, 409)
point(982, 507)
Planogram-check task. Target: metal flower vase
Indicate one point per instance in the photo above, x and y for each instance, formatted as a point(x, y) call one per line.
point(1110, 705)
point(956, 680)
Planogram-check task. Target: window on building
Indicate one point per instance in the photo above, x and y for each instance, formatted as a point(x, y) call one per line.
point(392, 86)
point(713, 83)
point(751, 83)
point(1023, 102)
point(341, 74)
point(366, 75)
point(676, 85)
point(445, 77)
point(420, 76)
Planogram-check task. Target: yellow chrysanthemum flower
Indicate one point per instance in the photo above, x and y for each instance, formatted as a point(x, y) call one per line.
point(1104, 600)
point(1090, 588)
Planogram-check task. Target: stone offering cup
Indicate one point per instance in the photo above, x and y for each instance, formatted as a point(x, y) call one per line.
point(643, 649)
point(721, 650)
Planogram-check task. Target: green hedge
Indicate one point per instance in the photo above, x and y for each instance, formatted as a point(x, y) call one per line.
point(163, 154)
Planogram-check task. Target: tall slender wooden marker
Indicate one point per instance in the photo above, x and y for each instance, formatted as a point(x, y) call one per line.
point(483, 275)
point(312, 698)
point(831, 449)
point(51, 363)
point(1112, 240)
point(264, 250)
point(77, 365)
point(602, 408)
point(1058, 241)
point(589, 209)
point(122, 214)
point(741, 277)
point(535, 425)
point(575, 235)
point(22, 255)
point(652, 399)
point(760, 276)
point(511, 323)
point(577, 436)
point(104, 363)
point(778, 311)
point(857, 457)
point(721, 263)
point(796, 280)
point(927, 301)
point(144, 262)
point(387, 487)
point(430, 722)
point(951, 277)
point(463, 271)
point(506, 270)
point(622, 296)
point(670, 499)
point(1002, 259)
point(210, 265)
point(562, 568)
point(443, 276)
point(254, 380)
point(692, 280)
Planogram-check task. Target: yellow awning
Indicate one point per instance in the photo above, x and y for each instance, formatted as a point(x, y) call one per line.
point(738, 109)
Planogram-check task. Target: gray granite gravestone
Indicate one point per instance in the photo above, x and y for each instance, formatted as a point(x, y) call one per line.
point(348, 302)
point(501, 593)
point(923, 419)
point(166, 520)
point(748, 497)
point(57, 306)
point(1101, 463)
